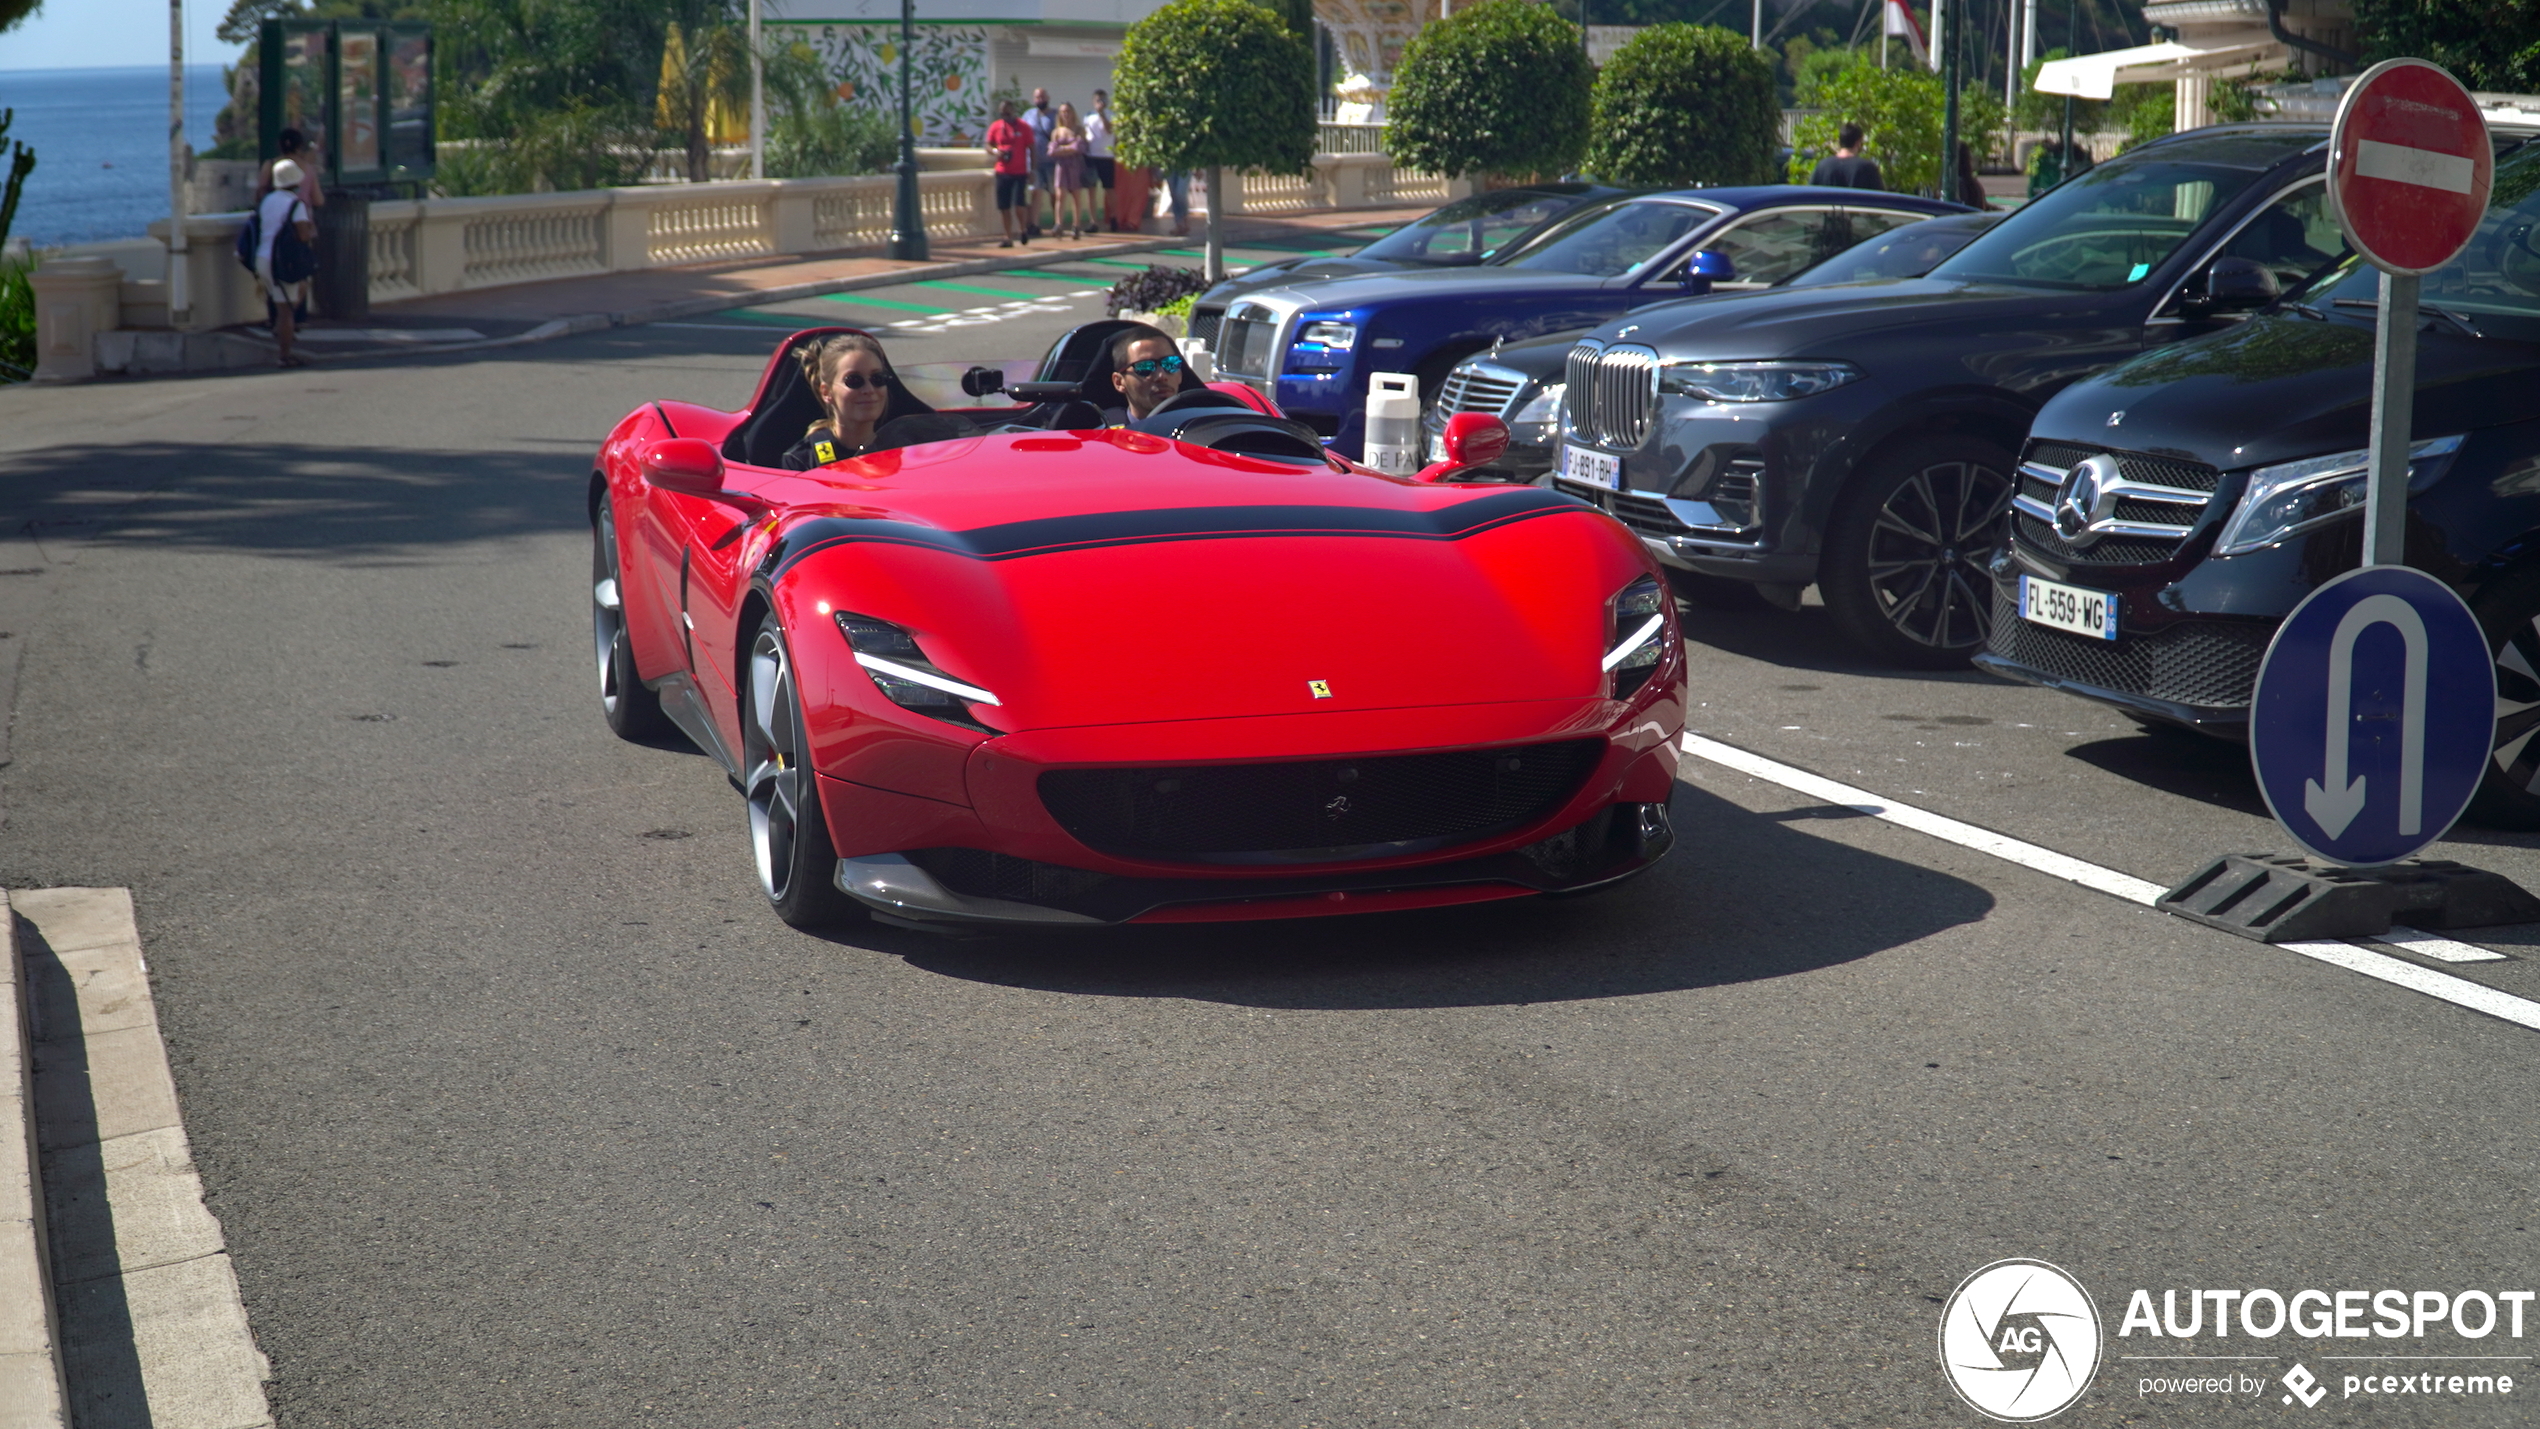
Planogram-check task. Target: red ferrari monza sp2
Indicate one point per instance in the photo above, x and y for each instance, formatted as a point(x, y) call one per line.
point(1011, 669)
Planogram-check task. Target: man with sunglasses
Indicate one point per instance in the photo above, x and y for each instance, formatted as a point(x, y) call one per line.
point(1146, 368)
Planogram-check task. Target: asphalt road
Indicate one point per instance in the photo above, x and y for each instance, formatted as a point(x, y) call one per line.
point(520, 1110)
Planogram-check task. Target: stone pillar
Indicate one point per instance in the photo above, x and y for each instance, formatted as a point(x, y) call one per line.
point(628, 224)
point(794, 203)
point(440, 247)
point(1349, 180)
point(75, 299)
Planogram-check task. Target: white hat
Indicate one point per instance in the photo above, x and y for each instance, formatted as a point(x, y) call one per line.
point(286, 174)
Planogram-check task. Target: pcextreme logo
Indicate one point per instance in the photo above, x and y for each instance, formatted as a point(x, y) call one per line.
point(2019, 1341)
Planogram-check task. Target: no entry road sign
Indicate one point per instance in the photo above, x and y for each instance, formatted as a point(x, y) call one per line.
point(2409, 166)
point(2374, 715)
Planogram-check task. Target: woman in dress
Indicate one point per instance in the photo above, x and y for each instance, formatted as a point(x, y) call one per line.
point(853, 380)
point(1073, 206)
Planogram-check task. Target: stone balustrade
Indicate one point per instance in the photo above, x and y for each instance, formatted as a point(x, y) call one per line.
point(419, 248)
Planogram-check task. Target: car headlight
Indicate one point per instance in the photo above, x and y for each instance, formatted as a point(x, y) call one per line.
point(1339, 337)
point(905, 676)
point(1754, 381)
point(1538, 423)
point(1637, 629)
point(2295, 496)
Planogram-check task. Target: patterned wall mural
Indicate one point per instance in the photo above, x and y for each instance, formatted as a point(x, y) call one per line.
point(949, 65)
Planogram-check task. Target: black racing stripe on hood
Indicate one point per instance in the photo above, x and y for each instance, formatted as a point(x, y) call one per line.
point(1054, 534)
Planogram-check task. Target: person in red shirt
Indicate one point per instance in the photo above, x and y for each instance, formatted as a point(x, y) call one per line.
point(1010, 144)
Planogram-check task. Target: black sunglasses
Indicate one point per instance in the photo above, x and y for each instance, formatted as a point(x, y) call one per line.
point(1149, 366)
point(857, 381)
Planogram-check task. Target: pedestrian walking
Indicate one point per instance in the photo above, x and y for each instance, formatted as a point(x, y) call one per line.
point(282, 266)
point(1177, 192)
point(1848, 169)
point(1970, 182)
point(1040, 119)
point(1010, 149)
point(1072, 208)
point(1098, 159)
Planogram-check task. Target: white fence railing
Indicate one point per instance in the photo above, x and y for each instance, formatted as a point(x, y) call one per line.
point(420, 248)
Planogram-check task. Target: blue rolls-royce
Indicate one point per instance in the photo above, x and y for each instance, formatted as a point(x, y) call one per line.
point(1312, 346)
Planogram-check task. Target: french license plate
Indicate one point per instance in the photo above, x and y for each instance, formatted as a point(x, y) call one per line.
point(2068, 607)
point(1593, 468)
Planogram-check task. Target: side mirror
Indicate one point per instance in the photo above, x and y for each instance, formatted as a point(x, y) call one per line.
point(1703, 269)
point(686, 465)
point(982, 382)
point(1473, 440)
point(2233, 285)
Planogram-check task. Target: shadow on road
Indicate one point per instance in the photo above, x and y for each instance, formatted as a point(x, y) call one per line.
point(1804, 639)
point(347, 504)
point(2190, 766)
point(1744, 897)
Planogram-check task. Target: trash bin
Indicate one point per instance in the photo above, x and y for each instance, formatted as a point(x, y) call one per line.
point(342, 285)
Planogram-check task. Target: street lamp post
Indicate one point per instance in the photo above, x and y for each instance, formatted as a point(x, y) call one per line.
point(180, 301)
point(908, 223)
point(1949, 106)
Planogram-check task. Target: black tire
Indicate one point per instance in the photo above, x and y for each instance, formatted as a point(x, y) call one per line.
point(2509, 613)
point(1904, 569)
point(1715, 592)
point(789, 840)
point(633, 711)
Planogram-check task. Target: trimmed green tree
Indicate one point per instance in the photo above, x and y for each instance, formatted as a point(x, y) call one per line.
point(1500, 87)
point(1684, 105)
point(1215, 85)
point(1899, 111)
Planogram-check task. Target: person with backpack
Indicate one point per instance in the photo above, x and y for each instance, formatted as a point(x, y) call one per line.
point(286, 254)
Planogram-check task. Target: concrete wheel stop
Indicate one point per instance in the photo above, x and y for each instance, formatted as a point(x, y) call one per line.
point(2277, 898)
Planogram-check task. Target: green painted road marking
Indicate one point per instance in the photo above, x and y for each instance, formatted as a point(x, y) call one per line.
point(864, 302)
point(967, 288)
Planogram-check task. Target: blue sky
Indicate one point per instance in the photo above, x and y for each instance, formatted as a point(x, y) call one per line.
point(96, 34)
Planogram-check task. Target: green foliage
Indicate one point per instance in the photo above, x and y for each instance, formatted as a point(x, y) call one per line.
point(837, 139)
point(1900, 114)
point(21, 163)
point(2144, 111)
point(1685, 105)
point(2486, 44)
point(1501, 87)
point(2234, 98)
point(1300, 17)
point(17, 323)
point(14, 11)
point(577, 146)
point(1215, 83)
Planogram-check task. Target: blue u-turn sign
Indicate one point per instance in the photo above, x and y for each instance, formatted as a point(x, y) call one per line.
point(2374, 714)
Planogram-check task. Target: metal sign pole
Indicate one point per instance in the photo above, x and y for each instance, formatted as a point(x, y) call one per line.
point(180, 299)
point(2394, 385)
point(758, 97)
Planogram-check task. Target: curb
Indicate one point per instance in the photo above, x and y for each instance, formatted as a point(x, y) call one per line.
point(152, 1327)
point(31, 1394)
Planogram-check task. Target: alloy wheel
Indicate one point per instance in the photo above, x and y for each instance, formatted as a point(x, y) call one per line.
point(608, 611)
point(2517, 759)
point(1928, 549)
point(771, 756)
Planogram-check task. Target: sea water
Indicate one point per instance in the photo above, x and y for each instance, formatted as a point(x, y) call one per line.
point(100, 138)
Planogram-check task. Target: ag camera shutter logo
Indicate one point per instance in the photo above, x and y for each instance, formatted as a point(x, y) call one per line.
point(2020, 1341)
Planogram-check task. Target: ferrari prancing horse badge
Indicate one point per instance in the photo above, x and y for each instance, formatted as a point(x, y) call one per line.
point(1322, 689)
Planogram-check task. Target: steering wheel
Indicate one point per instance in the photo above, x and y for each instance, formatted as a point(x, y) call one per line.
point(1195, 397)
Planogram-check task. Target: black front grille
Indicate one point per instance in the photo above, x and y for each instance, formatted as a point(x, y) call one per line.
point(2208, 663)
point(1313, 809)
point(1645, 514)
point(2156, 471)
point(2107, 551)
point(1204, 324)
point(982, 874)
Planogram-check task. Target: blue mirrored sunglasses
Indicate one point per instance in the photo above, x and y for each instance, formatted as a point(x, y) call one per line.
point(1149, 366)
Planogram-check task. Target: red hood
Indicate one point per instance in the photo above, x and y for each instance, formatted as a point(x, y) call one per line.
point(1111, 578)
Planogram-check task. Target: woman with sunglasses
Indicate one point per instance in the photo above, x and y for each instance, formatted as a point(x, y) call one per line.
point(853, 380)
point(1146, 368)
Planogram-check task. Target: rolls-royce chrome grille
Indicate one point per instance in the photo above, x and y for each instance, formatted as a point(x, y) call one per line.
point(1613, 394)
point(1251, 339)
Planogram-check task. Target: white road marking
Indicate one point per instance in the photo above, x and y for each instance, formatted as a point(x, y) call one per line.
point(2421, 168)
point(2003, 846)
point(1086, 293)
point(2427, 945)
point(2459, 991)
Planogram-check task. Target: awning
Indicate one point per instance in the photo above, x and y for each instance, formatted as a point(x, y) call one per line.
point(2097, 76)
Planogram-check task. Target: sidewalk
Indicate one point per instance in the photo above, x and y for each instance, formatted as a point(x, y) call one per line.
point(536, 312)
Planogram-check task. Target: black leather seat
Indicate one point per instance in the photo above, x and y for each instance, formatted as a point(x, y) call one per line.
point(1082, 358)
point(1218, 422)
point(786, 406)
